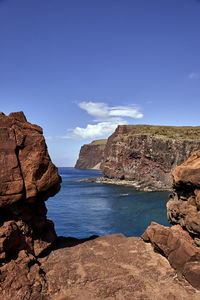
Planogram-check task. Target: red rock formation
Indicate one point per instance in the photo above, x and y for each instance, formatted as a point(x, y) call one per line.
point(110, 267)
point(27, 179)
point(34, 264)
point(184, 205)
point(148, 154)
point(180, 244)
point(189, 172)
point(91, 155)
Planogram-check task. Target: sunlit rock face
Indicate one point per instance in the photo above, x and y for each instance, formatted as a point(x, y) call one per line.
point(91, 155)
point(148, 154)
point(184, 206)
point(27, 179)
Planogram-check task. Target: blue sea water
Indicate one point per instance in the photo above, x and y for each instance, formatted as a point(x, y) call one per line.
point(83, 209)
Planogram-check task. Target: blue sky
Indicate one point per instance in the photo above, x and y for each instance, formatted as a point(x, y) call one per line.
point(78, 68)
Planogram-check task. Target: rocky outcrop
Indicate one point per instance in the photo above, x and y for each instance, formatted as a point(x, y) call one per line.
point(178, 246)
point(27, 179)
point(109, 267)
point(91, 155)
point(181, 243)
point(184, 205)
point(147, 154)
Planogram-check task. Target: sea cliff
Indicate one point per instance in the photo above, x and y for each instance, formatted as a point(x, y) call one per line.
point(36, 264)
point(146, 155)
point(91, 155)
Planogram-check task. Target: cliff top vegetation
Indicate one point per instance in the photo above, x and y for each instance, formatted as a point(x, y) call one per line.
point(174, 132)
point(101, 143)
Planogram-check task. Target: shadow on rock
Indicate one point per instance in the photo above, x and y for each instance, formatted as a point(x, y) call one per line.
point(65, 242)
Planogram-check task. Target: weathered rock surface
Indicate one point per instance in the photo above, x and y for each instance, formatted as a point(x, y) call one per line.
point(148, 154)
point(27, 179)
point(189, 172)
point(91, 155)
point(181, 243)
point(110, 267)
point(184, 205)
point(178, 246)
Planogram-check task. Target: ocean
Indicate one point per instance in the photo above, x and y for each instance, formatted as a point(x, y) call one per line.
point(83, 209)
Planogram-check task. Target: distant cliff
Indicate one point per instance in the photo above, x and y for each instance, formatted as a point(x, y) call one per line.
point(91, 155)
point(147, 154)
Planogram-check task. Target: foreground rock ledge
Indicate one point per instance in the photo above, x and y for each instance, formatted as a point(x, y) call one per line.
point(109, 267)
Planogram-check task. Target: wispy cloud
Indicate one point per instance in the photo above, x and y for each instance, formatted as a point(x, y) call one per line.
point(193, 75)
point(125, 111)
point(101, 111)
point(106, 119)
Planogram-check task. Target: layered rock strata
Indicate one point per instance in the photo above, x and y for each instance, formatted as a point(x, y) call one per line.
point(27, 179)
point(147, 154)
point(91, 155)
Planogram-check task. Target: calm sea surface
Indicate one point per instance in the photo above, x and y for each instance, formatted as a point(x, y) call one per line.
point(83, 209)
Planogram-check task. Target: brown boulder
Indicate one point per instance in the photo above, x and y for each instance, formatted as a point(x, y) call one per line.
point(177, 245)
point(188, 172)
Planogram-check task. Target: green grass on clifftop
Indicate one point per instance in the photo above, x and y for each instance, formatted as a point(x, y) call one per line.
point(101, 143)
point(174, 132)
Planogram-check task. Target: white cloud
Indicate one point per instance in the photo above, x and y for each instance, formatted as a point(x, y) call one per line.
point(98, 110)
point(125, 111)
point(106, 119)
point(102, 112)
point(193, 75)
point(94, 131)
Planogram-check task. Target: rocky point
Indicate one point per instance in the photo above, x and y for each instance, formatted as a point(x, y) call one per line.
point(91, 155)
point(146, 155)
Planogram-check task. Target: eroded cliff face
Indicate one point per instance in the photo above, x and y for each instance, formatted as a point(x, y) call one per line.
point(91, 155)
point(147, 154)
point(27, 179)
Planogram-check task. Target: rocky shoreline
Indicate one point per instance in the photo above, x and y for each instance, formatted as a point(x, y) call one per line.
point(143, 156)
point(36, 264)
point(136, 185)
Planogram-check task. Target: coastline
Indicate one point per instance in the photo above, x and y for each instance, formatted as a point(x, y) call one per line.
point(140, 186)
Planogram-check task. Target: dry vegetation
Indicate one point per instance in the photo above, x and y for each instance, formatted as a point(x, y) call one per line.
point(101, 143)
point(174, 132)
